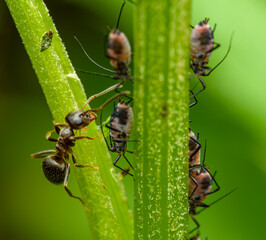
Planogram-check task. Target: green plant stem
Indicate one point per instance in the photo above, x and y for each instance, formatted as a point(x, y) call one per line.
point(161, 119)
point(109, 216)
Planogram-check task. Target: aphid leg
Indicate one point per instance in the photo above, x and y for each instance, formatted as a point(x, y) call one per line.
point(215, 190)
point(214, 27)
point(191, 26)
point(127, 161)
point(115, 162)
point(74, 159)
point(196, 183)
point(68, 191)
point(129, 151)
point(214, 48)
point(197, 223)
point(194, 103)
point(203, 86)
point(42, 154)
point(196, 150)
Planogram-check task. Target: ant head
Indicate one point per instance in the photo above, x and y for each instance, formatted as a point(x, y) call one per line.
point(79, 119)
point(54, 169)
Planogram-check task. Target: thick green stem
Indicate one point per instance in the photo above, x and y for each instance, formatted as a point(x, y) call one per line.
point(161, 119)
point(109, 216)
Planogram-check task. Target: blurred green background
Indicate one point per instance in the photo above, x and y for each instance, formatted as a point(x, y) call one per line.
point(231, 114)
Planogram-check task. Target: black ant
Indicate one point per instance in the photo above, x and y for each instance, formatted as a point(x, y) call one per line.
point(120, 127)
point(201, 46)
point(56, 167)
point(119, 53)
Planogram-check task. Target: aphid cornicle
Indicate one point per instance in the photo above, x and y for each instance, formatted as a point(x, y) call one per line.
point(120, 127)
point(119, 53)
point(201, 46)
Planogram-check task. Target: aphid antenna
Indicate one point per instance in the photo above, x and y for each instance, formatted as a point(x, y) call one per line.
point(108, 101)
point(229, 48)
point(119, 16)
point(218, 200)
point(87, 55)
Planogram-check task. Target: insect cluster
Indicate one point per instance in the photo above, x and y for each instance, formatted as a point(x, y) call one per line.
point(201, 181)
point(56, 162)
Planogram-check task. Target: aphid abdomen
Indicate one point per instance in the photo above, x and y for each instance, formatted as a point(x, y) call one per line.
point(54, 169)
point(201, 44)
point(119, 51)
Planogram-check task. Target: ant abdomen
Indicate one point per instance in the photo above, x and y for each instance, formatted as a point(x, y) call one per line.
point(54, 169)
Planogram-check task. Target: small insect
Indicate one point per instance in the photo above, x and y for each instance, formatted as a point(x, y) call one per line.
point(193, 204)
point(46, 40)
point(120, 127)
point(201, 46)
point(56, 167)
point(119, 53)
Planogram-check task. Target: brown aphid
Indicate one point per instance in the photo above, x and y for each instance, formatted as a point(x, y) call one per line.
point(119, 52)
point(120, 127)
point(201, 46)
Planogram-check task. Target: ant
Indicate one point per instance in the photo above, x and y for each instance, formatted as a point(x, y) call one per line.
point(119, 53)
point(56, 167)
point(120, 127)
point(201, 46)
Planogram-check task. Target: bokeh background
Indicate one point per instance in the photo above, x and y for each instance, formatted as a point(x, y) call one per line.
point(231, 115)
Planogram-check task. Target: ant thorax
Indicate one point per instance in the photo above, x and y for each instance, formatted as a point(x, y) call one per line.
point(119, 51)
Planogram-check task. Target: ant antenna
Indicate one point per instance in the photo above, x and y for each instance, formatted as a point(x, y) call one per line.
point(229, 48)
point(219, 199)
point(108, 101)
point(121, 9)
point(100, 94)
point(98, 65)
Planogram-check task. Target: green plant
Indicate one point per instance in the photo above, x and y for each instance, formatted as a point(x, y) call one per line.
point(161, 107)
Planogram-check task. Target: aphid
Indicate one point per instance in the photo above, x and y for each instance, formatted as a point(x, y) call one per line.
point(193, 204)
point(46, 40)
point(119, 53)
point(56, 167)
point(201, 46)
point(120, 127)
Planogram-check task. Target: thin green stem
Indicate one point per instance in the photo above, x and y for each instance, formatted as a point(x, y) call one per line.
point(161, 116)
point(109, 216)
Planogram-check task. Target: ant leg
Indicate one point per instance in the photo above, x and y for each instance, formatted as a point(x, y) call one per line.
point(127, 161)
point(48, 138)
point(42, 154)
point(115, 162)
point(68, 191)
point(203, 86)
point(74, 138)
point(108, 101)
point(79, 165)
point(197, 223)
point(57, 125)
